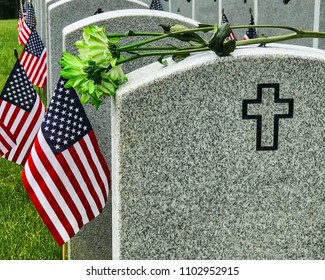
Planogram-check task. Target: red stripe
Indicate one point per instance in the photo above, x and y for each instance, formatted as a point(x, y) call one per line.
point(44, 188)
point(85, 177)
point(75, 184)
point(47, 221)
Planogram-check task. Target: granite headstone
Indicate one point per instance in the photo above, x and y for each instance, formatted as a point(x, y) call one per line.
point(221, 158)
point(94, 240)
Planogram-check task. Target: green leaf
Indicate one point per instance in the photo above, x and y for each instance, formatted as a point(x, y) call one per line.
point(228, 47)
point(165, 27)
point(84, 98)
point(180, 57)
point(217, 44)
point(162, 61)
point(96, 102)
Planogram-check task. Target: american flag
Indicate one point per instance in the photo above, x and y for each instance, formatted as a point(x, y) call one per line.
point(24, 30)
point(33, 59)
point(30, 16)
point(156, 5)
point(21, 113)
point(224, 20)
point(251, 32)
point(66, 175)
point(7, 140)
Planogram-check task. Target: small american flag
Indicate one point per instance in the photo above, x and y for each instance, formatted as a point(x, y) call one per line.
point(224, 20)
point(21, 113)
point(66, 175)
point(156, 5)
point(30, 16)
point(24, 30)
point(7, 140)
point(33, 59)
point(251, 32)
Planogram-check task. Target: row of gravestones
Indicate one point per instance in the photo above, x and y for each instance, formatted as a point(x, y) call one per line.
point(192, 176)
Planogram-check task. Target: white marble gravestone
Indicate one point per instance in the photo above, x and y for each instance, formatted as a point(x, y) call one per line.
point(65, 12)
point(95, 238)
point(221, 158)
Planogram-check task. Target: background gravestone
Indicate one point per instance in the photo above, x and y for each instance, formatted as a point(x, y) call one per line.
point(298, 13)
point(94, 240)
point(65, 12)
point(194, 177)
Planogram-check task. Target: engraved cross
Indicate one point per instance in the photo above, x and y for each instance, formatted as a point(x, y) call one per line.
point(267, 115)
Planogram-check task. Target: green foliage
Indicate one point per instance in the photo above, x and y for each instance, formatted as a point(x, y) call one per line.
point(22, 233)
point(218, 42)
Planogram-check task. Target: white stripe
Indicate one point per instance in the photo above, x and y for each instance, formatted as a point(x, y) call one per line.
point(66, 154)
point(6, 137)
point(49, 182)
point(45, 204)
point(90, 173)
point(316, 22)
point(3, 149)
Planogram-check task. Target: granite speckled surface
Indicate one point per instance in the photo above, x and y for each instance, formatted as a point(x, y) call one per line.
point(188, 182)
point(65, 12)
point(94, 240)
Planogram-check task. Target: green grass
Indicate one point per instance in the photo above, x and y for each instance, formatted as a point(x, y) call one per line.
point(23, 236)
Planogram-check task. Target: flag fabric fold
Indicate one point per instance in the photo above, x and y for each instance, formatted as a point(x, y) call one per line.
point(33, 59)
point(156, 5)
point(21, 114)
point(66, 175)
point(232, 34)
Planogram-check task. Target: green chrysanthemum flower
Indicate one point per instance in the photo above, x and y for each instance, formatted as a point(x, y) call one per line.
point(89, 79)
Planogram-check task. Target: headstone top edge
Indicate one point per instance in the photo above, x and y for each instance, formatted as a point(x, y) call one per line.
point(155, 71)
point(62, 2)
point(124, 13)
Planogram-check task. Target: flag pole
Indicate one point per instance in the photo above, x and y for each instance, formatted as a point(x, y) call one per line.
point(64, 252)
point(16, 53)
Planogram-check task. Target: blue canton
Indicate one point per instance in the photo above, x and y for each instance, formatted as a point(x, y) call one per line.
point(18, 89)
point(65, 121)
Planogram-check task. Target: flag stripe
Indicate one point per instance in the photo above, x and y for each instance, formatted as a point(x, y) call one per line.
point(25, 133)
point(43, 207)
point(48, 188)
point(80, 187)
point(99, 160)
point(49, 169)
point(79, 161)
point(89, 162)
